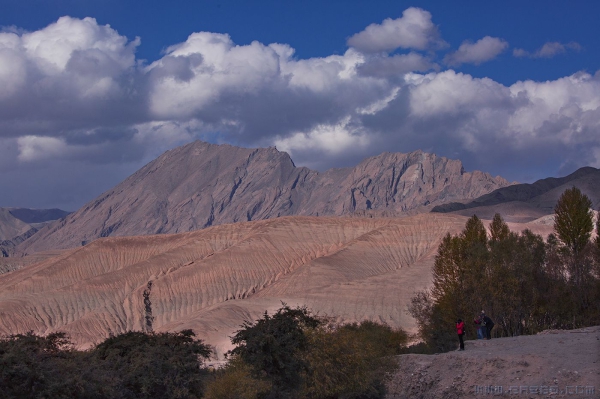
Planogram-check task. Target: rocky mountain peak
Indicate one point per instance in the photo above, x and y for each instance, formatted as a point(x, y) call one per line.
point(201, 184)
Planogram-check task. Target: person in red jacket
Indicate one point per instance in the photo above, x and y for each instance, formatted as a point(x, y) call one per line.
point(460, 330)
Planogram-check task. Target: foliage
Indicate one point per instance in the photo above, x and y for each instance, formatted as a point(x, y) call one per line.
point(524, 284)
point(298, 355)
point(31, 366)
point(597, 240)
point(573, 219)
point(272, 346)
point(328, 361)
point(152, 365)
point(459, 276)
point(235, 381)
point(130, 365)
point(351, 361)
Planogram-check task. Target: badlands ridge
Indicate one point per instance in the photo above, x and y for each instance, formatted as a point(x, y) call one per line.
point(212, 280)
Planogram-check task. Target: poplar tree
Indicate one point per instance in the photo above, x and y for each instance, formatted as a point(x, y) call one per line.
point(573, 219)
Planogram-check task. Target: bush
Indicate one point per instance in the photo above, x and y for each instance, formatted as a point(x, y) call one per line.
point(235, 381)
point(351, 361)
point(152, 365)
point(130, 365)
point(272, 347)
point(301, 356)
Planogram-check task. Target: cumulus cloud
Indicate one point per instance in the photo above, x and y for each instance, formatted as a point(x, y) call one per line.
point(258, 90)
point(74, 101)
point(414, 30)
point(73, 73)
point(548, 50)
point(476, 53)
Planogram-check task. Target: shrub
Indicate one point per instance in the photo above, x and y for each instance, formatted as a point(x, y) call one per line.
point(235, 381)
point(350, 361)
point(272, 347)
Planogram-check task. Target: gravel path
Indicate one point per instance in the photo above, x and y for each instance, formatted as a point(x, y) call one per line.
point(552, 364)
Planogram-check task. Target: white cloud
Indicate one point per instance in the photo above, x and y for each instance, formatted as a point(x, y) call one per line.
point(548, 50)
point(414, 30)
point(72, 95)
point(450, 93)
point(34, 148)
point(71, 74)
point(216, 65)
point(12, 65)
point(53, 47)
point(476, 53)
point(331, 139)
point(519, 52)
point(257, 89)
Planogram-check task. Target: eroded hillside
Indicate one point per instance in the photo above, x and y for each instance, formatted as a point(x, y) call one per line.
point(212, 280)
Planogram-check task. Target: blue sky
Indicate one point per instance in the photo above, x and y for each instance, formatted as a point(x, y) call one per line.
point(320, 28)
point(508, 87)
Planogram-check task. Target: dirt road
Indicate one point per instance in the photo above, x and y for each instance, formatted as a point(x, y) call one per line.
point(552, 364)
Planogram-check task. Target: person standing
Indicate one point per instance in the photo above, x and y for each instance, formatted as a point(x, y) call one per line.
point(488, 323)
point(480, 328)
point(460, 330)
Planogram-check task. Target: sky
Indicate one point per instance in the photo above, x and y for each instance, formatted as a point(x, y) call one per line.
point(91, 90)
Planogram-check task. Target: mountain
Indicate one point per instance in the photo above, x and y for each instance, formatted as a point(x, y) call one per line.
point(18, 224)
point(33, 216)
point(200, 185)
point(10, 226)
point(526, 202)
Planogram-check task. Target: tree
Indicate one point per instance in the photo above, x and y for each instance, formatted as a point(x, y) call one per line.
point(516, 271)
point(459, 287)
point(573, 220)
point(351, 360)
point(235, 381)
point(573, 223)
point(129, 365)
point(597, 240)
point(154, 365)
point(498, 229)
point(273, 347)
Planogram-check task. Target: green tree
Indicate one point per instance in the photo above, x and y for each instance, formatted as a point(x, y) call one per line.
point(273, 347)
point(459, 286)
point(597, 241)
point(351, 360)
point(498, 229)
point(33, 366)
point(574, 225)
point(516, 270)
point(154, 365)
point(235, 381)
point(573, 219)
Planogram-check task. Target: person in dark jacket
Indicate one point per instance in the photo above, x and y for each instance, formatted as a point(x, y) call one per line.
point(460, 330)
point(480, 327)
point(489, 324)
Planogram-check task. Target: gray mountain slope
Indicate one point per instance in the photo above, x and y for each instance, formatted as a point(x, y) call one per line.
point(526, 202)
point(200, 185)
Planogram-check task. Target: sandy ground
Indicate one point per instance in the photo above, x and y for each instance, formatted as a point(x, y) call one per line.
point(552, 364)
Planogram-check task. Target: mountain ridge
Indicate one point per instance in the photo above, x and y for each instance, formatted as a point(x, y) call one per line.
point(537, 199)
point(200, 185)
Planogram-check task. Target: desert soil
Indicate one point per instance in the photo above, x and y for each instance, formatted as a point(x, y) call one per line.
point(552, 364)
